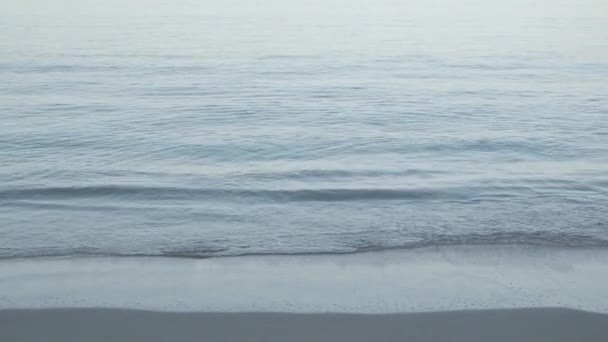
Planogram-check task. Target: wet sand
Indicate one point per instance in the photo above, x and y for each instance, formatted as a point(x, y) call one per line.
point(93, 325)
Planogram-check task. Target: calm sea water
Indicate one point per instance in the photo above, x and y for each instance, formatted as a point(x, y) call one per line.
point(194, 128)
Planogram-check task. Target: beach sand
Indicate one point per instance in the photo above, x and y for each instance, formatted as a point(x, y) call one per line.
point(492, 293)
point(106, 325)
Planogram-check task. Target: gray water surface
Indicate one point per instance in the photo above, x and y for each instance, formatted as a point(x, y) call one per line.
point(194, 128)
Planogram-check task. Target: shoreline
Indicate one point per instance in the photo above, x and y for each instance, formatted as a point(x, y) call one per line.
point(527, 246)
point(107, 325)
point(422, 280)
point(457, 294)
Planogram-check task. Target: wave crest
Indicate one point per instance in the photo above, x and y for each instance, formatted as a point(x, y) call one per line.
point(540, 238)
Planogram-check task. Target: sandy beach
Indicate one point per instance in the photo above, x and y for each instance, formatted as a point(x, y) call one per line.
point(417, 280)
point(92, 325)
point(454, 294)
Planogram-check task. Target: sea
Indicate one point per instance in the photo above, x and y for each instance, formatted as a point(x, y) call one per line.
point(221, 128)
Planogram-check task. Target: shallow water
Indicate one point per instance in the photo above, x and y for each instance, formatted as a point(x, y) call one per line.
point(414, 280)
point(191, 128)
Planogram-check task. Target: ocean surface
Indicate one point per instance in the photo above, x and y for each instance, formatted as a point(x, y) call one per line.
point(207, 128)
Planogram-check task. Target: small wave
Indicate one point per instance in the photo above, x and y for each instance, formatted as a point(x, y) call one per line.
point(539, 238)
point(465, 194)
point(163, 193)
point(334, 174)
point(517, 238)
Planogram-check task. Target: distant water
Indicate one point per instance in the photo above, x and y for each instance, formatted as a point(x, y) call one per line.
point(193, 128)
